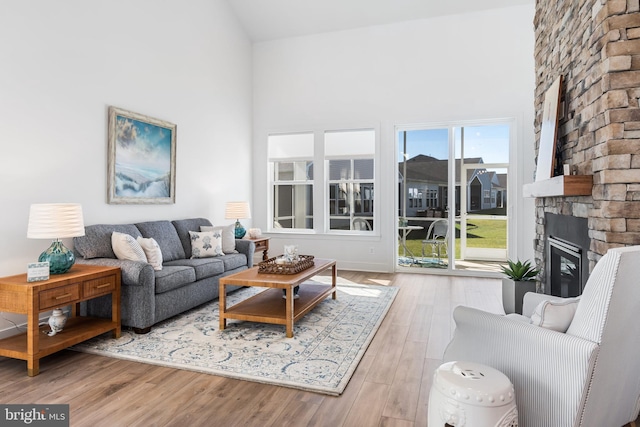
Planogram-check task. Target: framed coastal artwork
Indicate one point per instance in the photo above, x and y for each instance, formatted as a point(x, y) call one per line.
point(141, 159)
point(549, 131)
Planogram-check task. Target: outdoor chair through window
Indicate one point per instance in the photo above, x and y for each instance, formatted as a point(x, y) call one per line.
point(361, 224)
point(436, 240)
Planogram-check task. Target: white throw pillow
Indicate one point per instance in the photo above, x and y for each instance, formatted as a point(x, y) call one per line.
point(228, 236)
point(126, 247)
point(556, 315)
point(152, 251)
point(206, 244)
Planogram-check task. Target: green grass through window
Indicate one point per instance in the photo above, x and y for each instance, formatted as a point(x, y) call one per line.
point(481, 233)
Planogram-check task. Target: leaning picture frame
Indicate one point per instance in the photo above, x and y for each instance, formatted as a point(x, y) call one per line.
point(549, 131)
point(141, 159)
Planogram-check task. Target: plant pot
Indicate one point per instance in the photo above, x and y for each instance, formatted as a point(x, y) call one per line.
point(513, 292)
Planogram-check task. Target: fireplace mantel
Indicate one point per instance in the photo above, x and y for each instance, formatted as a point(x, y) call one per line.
point(563, 185)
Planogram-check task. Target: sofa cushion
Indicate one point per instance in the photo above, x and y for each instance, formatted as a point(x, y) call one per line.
point(152, 251)
point(165, 234)
point(204, 267)
point(183, 226)
point(232, 261)
point(173, 277)
point(96, 242)
point(228, 236)
point(126, 247)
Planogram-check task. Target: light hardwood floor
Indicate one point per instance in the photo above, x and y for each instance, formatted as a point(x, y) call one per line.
point(389, 388)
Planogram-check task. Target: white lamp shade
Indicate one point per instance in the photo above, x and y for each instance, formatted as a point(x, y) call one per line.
point(55, 221)
point(237, 210)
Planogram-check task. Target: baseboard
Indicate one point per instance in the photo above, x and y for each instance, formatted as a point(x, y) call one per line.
point(368, 267)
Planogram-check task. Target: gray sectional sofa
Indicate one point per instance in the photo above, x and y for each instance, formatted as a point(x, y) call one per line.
point(149, 296)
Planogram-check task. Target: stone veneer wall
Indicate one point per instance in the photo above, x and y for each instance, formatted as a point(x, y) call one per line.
point(595, 45)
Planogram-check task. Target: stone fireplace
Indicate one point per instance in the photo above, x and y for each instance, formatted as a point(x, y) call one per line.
point(595, 45)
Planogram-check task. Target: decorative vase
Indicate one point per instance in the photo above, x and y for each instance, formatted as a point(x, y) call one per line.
point(291, 253)
point(57, 320)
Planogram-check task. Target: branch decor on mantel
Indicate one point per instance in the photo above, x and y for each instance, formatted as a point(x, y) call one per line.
point(549, 131)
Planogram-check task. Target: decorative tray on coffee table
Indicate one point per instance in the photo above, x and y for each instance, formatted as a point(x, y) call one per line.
point(275, 266)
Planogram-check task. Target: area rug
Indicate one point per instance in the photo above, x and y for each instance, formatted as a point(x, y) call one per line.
point(325, 350)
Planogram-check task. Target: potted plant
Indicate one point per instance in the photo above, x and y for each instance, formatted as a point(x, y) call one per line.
point(520, 280)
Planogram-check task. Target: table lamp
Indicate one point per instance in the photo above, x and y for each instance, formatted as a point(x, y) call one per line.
point(56, 221)
point(238, 211)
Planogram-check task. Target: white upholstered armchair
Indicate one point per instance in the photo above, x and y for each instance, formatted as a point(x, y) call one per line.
point(586, 376)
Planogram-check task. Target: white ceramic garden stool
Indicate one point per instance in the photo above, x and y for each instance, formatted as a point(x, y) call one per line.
point(471, 395)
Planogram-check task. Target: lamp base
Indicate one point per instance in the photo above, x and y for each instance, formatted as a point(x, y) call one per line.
point(239, 230)
point(59, 257)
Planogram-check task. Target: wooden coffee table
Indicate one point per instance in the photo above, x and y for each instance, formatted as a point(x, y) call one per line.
point(269, 306)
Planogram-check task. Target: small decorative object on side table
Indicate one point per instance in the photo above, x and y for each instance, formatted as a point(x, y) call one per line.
point(57, 320)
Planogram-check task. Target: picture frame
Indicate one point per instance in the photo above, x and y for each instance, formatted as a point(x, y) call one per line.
point(141, 159)
point(37, 271)
point(549, 132)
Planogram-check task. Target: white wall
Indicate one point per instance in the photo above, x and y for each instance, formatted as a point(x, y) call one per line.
point(454, 68)
point(64, 62)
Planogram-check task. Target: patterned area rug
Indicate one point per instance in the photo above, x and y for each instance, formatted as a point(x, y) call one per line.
point(327, 346)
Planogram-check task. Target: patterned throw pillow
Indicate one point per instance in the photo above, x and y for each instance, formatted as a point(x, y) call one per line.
point(126, 247)
point(206, 244)
point(228, 236)
point(152, 251)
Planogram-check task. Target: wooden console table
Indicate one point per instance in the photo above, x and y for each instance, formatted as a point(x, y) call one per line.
point(81, 283)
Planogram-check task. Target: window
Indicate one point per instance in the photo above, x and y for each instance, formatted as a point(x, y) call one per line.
point(487, 197)
point(347, 180)
point(432, 198)
point(291, 161)
point(349, 155)
point(415, 198)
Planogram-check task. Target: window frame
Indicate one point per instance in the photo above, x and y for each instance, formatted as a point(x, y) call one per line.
point(320, 183)
point(293, 183)
point(350, 182)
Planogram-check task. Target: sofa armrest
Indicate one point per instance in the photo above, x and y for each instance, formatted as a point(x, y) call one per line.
point(248, 248)
point(533, 358)
point(137, 295)
point(134, 273)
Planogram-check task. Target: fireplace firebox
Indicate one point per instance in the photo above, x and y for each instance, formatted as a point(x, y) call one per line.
point(566, 263)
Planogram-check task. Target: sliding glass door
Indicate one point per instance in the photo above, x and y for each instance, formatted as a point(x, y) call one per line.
point(453, 204)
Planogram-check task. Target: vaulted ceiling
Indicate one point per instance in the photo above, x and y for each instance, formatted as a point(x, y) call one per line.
point(274, 19)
